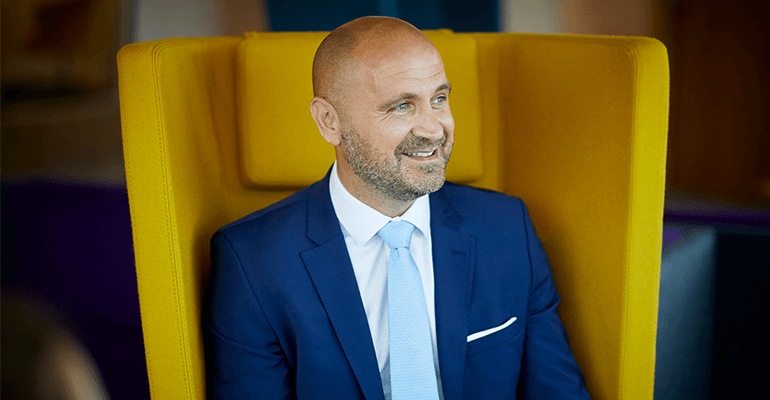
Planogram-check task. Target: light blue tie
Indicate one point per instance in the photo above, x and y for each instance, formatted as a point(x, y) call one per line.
point(412, 374)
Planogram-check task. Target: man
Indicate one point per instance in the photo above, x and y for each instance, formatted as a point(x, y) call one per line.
point(380, 281)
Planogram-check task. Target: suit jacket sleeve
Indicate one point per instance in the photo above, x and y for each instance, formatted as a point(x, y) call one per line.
point(549, 370)
point(243, 355)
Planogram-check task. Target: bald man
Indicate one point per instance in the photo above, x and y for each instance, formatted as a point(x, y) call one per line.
point(381, 281)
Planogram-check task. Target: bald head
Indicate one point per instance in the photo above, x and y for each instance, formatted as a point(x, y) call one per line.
point(359, 43)
point(382, 100)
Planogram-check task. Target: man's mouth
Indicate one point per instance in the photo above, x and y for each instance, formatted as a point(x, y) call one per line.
point(421, 154)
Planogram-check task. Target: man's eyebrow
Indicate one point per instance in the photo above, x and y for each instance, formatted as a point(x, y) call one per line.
point(406, 96)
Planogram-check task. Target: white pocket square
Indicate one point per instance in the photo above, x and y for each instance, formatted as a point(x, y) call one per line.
point(486, 332)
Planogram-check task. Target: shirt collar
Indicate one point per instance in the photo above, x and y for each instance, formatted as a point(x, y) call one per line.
point(363, 222)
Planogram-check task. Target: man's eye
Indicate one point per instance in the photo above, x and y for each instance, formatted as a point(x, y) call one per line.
point(440, 100)
point(402, 107)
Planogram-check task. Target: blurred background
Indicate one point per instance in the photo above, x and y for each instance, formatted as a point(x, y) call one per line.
point(70, 310)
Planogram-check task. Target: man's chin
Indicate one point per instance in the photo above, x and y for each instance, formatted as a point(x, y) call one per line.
point(430, 181)
point(418, 186)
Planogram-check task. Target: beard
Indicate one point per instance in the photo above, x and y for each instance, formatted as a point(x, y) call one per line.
point(387, 174)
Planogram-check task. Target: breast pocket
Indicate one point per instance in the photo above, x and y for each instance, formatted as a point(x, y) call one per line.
point(489, 338)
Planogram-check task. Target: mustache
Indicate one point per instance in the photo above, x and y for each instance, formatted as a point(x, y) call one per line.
point(413, 143)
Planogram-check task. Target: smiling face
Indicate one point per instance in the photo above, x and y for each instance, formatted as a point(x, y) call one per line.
point(382, 99)
point(397, 127)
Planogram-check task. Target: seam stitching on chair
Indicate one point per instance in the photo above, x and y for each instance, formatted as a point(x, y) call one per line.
point(626, 294)
point(169, 223)
point(134, 215)
point(632, 50)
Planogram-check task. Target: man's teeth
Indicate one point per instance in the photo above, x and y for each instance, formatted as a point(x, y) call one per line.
point(423, 154)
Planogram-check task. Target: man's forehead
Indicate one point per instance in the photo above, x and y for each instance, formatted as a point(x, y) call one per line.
point(376, 48)
point(428, 76)
point(411, 66)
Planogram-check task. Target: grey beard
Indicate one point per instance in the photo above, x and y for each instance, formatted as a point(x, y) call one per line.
point(386, 175)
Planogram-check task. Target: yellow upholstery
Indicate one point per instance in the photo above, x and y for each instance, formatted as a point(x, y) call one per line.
point(575, 125)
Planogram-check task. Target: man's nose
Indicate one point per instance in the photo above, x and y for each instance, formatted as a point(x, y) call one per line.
point(429, 125)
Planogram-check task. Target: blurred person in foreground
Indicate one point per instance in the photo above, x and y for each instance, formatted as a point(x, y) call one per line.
point(42, 359)
point(381, 281)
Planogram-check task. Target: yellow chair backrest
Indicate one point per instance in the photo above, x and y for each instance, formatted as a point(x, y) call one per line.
point(215, 128)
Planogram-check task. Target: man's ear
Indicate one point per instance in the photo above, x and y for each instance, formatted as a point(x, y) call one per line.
point(327, 120)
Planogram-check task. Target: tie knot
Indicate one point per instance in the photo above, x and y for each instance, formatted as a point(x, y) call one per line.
point(397, 234)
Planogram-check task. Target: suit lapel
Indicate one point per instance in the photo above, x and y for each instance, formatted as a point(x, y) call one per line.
point(453, 266)
point(332, 273)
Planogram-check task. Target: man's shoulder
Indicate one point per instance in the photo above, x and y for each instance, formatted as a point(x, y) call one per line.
point(272, 216)
point(482, 210)
point(478, 199)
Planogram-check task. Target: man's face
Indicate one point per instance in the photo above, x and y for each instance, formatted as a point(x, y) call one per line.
point(397, 129)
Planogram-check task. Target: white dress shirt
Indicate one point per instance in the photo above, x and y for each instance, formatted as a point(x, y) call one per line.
point(369, 256)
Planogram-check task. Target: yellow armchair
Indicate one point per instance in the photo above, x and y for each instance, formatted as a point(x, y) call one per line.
point(574, 125)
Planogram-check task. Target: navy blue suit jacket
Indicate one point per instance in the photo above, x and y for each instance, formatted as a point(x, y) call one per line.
point(285, 318)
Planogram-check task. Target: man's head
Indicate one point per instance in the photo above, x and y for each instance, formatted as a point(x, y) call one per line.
point(381, 98)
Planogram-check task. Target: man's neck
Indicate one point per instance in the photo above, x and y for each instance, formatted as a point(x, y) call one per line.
point(370, 196)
